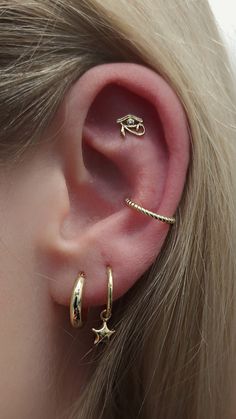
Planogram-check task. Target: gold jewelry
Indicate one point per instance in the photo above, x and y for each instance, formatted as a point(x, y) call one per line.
point(131, 123)
point(132, 204)
point(104, 334)
point(76, 301)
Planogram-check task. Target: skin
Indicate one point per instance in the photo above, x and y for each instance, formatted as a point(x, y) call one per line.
point(62, 210)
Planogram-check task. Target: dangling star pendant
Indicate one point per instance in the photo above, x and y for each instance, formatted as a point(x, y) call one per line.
point(103, 334)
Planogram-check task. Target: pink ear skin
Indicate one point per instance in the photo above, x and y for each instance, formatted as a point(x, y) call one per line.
point(91, 226)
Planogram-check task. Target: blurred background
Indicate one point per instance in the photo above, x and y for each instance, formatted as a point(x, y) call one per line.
point(225, 12)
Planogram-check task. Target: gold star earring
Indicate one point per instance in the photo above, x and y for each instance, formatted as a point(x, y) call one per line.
point(104, 334)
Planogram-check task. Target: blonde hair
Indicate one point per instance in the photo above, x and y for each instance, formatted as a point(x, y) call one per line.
point(173, 353)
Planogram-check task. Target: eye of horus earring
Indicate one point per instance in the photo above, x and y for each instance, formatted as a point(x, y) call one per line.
point(132, 124)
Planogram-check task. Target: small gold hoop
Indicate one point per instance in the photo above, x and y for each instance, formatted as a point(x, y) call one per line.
point(104, 333)
point(76, 301)
point(132, 204)
point(106, 314)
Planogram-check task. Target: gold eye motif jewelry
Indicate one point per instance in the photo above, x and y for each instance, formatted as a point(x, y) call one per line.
point(132, 124)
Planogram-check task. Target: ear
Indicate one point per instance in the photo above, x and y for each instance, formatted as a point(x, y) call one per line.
point(90, 226)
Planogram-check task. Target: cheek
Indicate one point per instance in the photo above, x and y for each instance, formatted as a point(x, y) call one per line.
point(20, 319)
point(24, 300)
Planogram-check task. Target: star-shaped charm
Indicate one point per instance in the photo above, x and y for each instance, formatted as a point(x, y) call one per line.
point(103, 334)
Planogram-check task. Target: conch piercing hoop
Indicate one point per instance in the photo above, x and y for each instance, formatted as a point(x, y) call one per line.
point(104, 334)
point(132, 124)
point(132, 204)
point(76, 301)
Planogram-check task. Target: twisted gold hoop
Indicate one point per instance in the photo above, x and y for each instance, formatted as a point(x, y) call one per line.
point(76, 301)
point(167, 220)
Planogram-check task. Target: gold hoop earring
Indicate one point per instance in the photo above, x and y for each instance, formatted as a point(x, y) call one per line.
point(132, 204)
point(104, 334)
point(132, 124)
point(76, 301)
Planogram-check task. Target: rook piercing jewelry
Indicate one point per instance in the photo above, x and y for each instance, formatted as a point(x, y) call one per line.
point(104, 334)
point(131, 123)
point(76, 301)
point(132, 204)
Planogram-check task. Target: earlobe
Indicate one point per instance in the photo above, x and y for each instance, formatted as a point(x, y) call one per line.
point(106, 159)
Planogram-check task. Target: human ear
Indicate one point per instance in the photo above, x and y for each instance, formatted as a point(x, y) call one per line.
point(90, 226)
